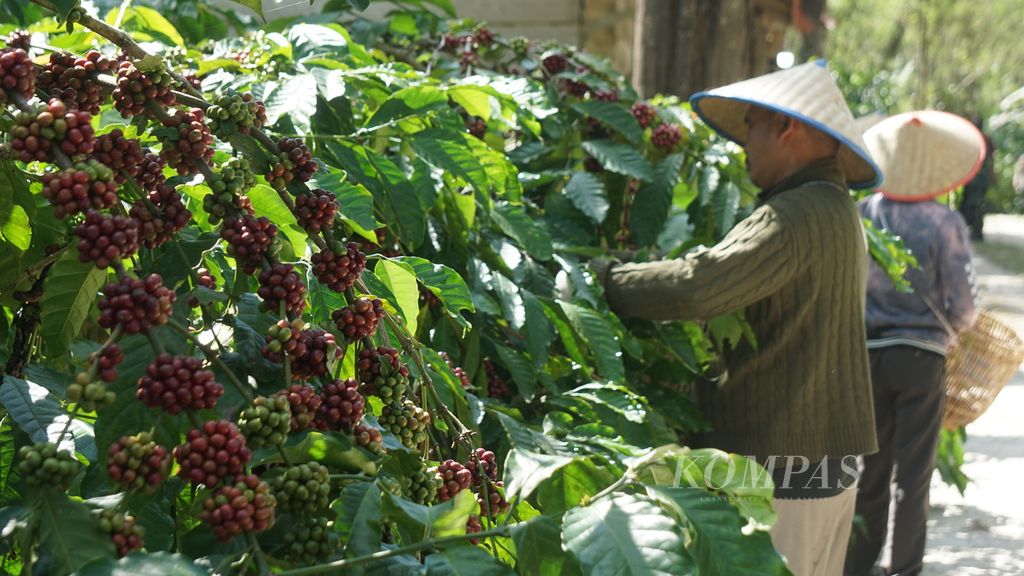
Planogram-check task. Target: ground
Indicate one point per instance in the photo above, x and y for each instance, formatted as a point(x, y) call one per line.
point(982, 533)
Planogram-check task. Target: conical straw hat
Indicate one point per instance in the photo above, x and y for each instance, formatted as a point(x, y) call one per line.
point(925, 154)
point(805, 92)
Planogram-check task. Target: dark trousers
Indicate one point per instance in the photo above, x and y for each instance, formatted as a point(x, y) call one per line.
point(909, 400)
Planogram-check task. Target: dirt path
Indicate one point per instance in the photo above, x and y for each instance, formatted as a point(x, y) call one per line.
point(982, 533)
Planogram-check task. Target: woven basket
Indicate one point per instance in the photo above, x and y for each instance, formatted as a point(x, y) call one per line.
point(984, 358)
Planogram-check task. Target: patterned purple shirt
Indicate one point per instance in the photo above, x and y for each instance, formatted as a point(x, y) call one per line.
point(937, 237)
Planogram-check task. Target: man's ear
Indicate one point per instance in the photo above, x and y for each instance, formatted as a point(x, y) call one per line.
point(787, 127)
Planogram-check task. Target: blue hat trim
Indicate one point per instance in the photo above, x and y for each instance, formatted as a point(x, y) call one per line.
point(696, 98)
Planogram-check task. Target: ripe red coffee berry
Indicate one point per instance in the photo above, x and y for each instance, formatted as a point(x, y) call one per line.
point(454, 479)
point(109, 357)
point(212, 453)
point(644, 113)
point(481, 463)
point(122, 155)
point(17, 74)
point(666, 136)
point(138, 463)
point(105, 239)
point(177, 383)
point(248, 239)
point(189, 143)
point(305, 404)
point(74, 80)
point(281, 285)
point(339, 270)
point(369, 438)
point(85, 185)
point(161, 216)
point(360, 319)
point(555, 63)
point(316, 211)
point(124, 532)
point(136, 304)
point(341, 406)
point(245, 506)
point(382, 373)
point(293, 163)
point(135, 89)
point(313, 350)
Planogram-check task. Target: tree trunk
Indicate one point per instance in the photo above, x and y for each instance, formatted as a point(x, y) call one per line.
point(683, 46)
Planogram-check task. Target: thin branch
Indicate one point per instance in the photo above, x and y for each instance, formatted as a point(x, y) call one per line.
point(214, 359)
point(424, 545)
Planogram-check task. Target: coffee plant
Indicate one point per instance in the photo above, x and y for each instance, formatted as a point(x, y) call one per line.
point(314, 298)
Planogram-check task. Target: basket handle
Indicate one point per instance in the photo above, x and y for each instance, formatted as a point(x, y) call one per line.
point(927, 301)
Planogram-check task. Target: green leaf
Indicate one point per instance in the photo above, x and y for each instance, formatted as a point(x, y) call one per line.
point(296, 98)
point(889, 252)
point(70, 548)
point(355, 205)
point(68, 295)
point(517, 224)
point(267, 202)
point(586, 191)
point(626, 535)
point(149, 564)
point(16, 230)
point(64, 7)
point(254, 5)
point(747, 485)
point(465, 561)
point(521, 436)
point(539, 331)
point(475, 99)
point(569, 338)
point(332, 449)
point(420, 522)
point(404, 201)
point(446, 150)
point(521, 369)
point(502, 173)
point(152, 22)
point(600, 336)
point(402, 282)
point(444, 283)
point(40, 415)
point(526, 470)
point(310, 39)
point(620, 158)
point(404, 23)
point(614, 115)
point(725, 202)
point(653, 200)
point(571, 485)
point(538, 546)
point(619, 399)
point(719, 544)
point(408, 102)
point(359, 518)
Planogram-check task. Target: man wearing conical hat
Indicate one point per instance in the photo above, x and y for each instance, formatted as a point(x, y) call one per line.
point(923, 155)
point(799, 401)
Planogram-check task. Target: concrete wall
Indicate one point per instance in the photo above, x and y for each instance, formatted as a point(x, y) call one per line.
point(602, 27)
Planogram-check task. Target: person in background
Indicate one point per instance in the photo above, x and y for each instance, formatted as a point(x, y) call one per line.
point(798, 267)
point(923, 155)
point(972, 206)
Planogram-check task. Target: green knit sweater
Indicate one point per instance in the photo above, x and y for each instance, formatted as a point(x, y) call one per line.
point(798, 265)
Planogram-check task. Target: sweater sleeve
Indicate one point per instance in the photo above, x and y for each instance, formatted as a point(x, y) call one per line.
point(954, 260)
point(754, 260)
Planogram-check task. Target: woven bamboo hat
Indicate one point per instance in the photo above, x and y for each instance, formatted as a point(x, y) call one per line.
point(805, 92)
point(924, 154)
